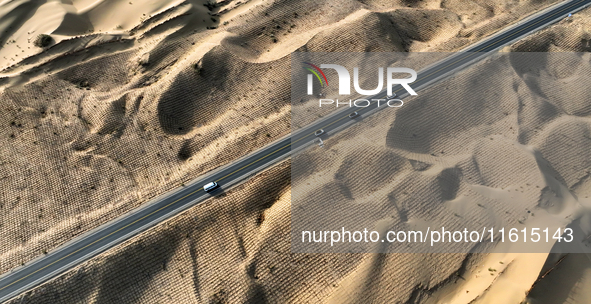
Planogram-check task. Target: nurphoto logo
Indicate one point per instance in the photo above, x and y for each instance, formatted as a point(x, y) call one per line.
point(345, 79)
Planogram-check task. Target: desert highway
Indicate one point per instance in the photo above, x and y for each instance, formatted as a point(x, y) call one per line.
point(170, 204)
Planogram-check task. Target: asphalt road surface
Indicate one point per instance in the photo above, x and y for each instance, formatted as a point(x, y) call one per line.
point(113, 233)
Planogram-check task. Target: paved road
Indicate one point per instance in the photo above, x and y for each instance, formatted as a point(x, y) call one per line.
point(168, 205)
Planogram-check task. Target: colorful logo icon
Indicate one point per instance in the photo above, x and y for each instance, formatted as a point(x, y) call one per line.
point(318, 70)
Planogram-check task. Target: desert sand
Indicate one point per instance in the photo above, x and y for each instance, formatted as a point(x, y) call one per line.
point(125, 101)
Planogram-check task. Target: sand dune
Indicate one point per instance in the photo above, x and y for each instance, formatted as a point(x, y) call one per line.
point(132, 99)
point(159, 79)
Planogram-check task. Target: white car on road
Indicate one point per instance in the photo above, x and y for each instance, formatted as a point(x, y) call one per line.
point(210, 186)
